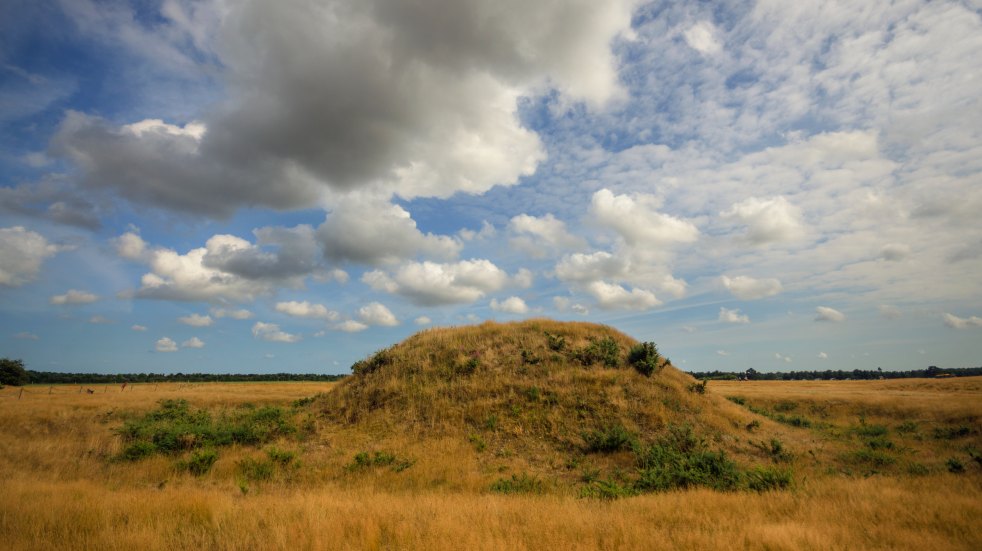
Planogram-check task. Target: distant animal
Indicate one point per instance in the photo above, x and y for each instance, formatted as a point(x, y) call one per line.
point(90, 391)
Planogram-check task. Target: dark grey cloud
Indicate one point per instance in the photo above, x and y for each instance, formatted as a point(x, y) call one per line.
point(414, 99)
point(279, 253)
point(51, 201)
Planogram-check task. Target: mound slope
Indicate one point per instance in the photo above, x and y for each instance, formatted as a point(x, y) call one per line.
point(551, 397)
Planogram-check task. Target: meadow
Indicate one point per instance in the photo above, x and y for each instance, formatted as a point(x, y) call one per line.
point(877, 465)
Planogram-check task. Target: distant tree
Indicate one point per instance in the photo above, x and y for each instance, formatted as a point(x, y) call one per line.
point(12, 372)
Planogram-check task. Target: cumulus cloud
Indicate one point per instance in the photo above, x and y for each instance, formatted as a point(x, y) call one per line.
point(351, 326)
point(376, 232)
point(732, 316)
point(423, 320)
point(822, 356)
point(432, 284)
point(539, 235)
point(748, 288)
point(767, 220)
point(416, 99)
point(375, 313)
point(240, 314)
point(74, 296)
point(638, 222)
point(511, 305)
point(22, 252)
point(138, 328)
point(227, 268)
point(306, 310)
point(722, 353)
point(166, 344)
point(271, 332)
point(824, 313)
point(278, 254)
point(586, 267)
point(956, 322)
point(193, 342)
point(100, 320)
point(50, 200)
point(196, 320)
point(611, 296)
point(564, 304)
point(780, 357)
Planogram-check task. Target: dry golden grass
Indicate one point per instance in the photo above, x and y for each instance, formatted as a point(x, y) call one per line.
point(61, 488)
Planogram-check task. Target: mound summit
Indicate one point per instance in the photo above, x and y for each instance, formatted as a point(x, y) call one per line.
point(560, 400)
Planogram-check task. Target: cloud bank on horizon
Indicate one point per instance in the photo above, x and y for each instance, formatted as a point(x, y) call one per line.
point(300, 179)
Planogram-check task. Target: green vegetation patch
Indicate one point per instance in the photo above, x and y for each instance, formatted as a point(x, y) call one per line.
point(175, 428)
point(523, 483)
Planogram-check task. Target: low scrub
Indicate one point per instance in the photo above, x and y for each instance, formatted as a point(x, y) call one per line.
point(644, 357)
point(519, 484)
point(608, 439)
point(175, 427)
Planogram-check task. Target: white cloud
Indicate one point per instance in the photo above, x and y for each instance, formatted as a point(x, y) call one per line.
point(701, 37)
point(824, 313)
point(376, 313)
point(511, 305)
point(351, 326)
point(767, 220)
point(26, 336)
point(22, 252)
point(74, 296)
point(582, 267)
point(376, 232)
point(431, 284)
point(306, 310)
point(611, 296)
point(271, 332)
point(956, 322)
point(638, 222)
point(193, 342)
point(130, 246)
point(138, 328)
point(732, 316)
point(822, 356)
point(196, 320)
point(422, 320)
point(166, 344)
point(564, 304)
point(778, 356)
point(722, 353)
point(100, 320)
point(539, 235)
point(240, 314)
point(748, 288)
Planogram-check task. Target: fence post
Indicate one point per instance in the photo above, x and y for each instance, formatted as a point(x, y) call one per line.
point(21, 393)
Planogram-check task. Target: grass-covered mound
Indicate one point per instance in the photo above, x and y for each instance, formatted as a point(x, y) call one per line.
point(546, 403)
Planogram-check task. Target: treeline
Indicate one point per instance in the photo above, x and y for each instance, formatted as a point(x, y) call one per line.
point(54, 378)
point(838, 375)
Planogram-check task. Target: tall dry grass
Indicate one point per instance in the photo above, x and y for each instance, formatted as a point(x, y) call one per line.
point(61, 490)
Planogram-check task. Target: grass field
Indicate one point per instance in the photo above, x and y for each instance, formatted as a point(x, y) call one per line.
point(878, 465)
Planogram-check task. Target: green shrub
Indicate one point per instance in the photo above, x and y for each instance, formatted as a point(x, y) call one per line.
point(738, 400)
point(763, 479)
point(917, 469)
point(785, 406)
point(871, 431)
point(907, 427)
point(364, 460)
point(555, 342)
point(753, 425)
point(137, 451)
point(518, 484)
point(795, 421)
point(281, 457)
point(955, 466)
point(879, 443)
point(606, 490)
point(699, 388)
point(680, 459)
point(479, 444)
point(608, 439)
point(257, 469)
point(644, 358)
point(377, 361)
point(951, 433)
point(604, 350)
point(869, 457)
point(200, 462)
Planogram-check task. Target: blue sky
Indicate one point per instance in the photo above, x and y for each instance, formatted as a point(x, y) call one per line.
point(252, 186)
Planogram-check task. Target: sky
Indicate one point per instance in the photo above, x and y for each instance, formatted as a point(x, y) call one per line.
point(252, 186)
